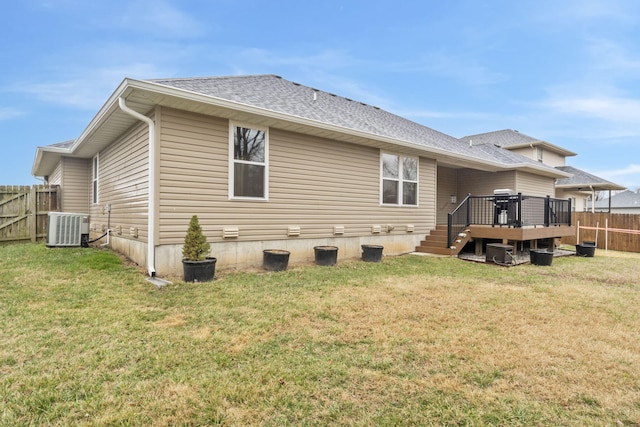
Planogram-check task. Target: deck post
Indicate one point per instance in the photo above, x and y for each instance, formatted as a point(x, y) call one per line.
point(547, 210)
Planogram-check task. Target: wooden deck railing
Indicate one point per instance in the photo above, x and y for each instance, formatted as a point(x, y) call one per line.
point(508, 210)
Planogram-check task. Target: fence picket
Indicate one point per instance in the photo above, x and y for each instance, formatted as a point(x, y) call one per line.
point(622, 230)
point(24, 211)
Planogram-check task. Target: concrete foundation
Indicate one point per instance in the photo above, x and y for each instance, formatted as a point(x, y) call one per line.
point(235, 255)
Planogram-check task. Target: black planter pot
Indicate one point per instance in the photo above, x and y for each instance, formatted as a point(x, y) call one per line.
point(372, 253)
point(199, 271)
point(275, 259)
point(326, 255)
point(586, 250)
point(541, 257)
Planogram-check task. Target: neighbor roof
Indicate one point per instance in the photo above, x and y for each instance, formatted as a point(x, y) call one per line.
point(511, 139)
point(626, 199)
point(273, 101)
point(581, 180)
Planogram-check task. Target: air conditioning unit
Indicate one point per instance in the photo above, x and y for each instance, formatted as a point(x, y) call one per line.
point(67, 229)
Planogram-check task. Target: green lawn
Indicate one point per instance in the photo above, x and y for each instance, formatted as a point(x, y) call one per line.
point(85, 340)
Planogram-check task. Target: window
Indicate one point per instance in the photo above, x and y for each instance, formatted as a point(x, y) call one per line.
point(94, 180)
point(249, 157)
point(399, 180)
point(539, 153)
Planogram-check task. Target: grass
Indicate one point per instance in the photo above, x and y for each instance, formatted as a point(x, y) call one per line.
point(409, 341)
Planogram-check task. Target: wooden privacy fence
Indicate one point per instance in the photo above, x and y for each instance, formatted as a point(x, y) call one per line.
point(618, 232)
point(23, 211)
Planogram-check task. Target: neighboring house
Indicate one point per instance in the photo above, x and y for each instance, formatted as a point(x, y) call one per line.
point(580, 186)
point(269, 163)
point(583, 187)
point(627, 202)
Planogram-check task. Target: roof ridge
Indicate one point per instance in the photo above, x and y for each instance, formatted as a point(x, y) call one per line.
point(177, 79)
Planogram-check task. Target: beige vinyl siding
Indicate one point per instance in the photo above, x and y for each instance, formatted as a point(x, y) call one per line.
point(550, 158)
point(56, 176)
point(75, 186)
point(579, 199)
point(123, 183)
point(528, 152)
point(314, 183)
point(447, 186)
point(480, 183)
point(534, 185)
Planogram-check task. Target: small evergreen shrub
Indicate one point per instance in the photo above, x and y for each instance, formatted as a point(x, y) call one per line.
point(196, 247)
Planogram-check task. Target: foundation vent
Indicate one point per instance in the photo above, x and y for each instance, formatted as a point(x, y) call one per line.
point(293, 230)
point(230, 232)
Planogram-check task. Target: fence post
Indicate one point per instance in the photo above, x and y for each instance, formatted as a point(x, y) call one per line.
point(31, 212)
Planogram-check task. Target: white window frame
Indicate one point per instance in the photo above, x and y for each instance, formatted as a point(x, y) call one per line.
point(95, 179)
point(400, 180)
point(540, 154)
point(233, 161)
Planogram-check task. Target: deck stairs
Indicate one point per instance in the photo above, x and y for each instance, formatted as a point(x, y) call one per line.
point(436, 242)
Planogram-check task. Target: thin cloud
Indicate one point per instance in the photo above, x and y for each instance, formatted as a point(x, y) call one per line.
point(464, 69)
point(324, 59)
point(161, 18)
point(629, 170)
point(88, 89)
point(610, 109)
point(597, 12)
point(470, 115)
point(8, 113)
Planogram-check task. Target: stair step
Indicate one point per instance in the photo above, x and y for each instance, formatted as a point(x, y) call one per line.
point(434, 244)
point(437, 251)
point(437, 242)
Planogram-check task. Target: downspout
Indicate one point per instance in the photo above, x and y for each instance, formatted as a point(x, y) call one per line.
point(151, 217)
point(593, 199)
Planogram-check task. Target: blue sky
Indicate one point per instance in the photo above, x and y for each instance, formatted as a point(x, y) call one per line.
point(564, 71)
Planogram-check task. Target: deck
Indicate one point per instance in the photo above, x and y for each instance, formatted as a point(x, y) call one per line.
point(508, 218)
point(520, 234)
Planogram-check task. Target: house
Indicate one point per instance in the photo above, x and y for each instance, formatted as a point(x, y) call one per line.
point(269, 163)
point(626, 202)
point(579, 186)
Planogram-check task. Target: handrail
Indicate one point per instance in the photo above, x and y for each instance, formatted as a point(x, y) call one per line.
point(464, 219)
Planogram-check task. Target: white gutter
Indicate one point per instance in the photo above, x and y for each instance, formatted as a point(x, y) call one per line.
point(151, 216)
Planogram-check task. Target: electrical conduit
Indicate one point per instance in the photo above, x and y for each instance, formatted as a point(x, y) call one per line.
point(151, 217)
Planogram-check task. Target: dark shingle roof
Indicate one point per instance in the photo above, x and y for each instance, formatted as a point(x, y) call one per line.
point(277, 94)
point(584, 180)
